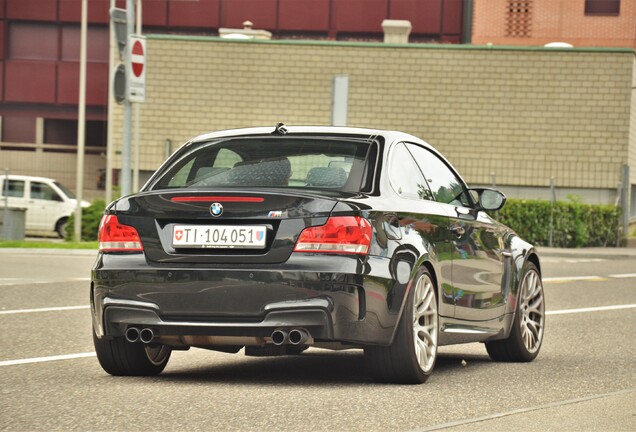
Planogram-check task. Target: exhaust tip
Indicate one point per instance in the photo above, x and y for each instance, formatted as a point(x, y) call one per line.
point(297, 337)
point(279, 337)
point(146, 335)
point(132, 334)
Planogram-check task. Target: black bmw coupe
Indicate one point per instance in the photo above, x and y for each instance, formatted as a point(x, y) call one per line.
point(282, 238)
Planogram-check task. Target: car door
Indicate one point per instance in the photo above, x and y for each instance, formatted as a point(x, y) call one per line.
point(45, 207)
point(477, 253)
point(423, 223)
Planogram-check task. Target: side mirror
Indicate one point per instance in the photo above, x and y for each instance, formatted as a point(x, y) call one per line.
point(488, 199)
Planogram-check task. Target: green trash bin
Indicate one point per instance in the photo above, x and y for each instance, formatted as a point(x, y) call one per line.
point(12, 222)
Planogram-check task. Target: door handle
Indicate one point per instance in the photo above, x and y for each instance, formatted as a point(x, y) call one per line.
point(458, 231)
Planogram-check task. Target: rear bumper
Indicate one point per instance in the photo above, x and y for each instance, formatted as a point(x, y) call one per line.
point(343, 298)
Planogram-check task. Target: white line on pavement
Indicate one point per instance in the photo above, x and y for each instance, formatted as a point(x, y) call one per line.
point(591, 309)
point(15, 281)
point(46, 359)
point(572, 278)
point(621, 276)
point(51, 309)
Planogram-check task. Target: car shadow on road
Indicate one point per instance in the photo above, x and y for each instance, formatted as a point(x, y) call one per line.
point(307, 368)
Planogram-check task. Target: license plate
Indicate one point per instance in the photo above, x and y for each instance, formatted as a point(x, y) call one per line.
point(222, 236)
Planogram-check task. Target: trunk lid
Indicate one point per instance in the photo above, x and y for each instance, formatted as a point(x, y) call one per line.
point(280, 214)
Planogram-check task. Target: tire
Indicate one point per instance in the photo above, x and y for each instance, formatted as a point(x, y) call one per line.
point(60, 227)
point(526, 336)
point(122, 358)
point(410, 359)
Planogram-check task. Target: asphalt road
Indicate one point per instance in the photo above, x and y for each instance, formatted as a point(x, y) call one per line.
point(583, 379)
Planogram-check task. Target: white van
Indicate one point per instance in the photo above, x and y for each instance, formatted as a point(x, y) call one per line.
point(48, 203)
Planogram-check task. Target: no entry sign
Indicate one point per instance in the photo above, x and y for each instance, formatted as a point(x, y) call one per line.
point(136, 72)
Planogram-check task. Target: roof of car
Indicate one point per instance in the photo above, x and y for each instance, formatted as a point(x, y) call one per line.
point(327, 130)
point(25, 177)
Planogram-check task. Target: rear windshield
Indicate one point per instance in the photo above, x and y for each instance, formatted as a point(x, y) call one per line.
point(280, 162)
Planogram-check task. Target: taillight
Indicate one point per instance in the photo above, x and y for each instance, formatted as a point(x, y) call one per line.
point(116, 237)
point(341, 234)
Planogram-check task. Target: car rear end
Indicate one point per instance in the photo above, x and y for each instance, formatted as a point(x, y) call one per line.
point(250, 240)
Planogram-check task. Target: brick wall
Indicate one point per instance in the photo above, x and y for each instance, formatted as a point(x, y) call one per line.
point(555, 21)
point(523, 114)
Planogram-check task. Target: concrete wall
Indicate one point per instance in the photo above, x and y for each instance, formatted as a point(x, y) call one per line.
point(524, 114)
point(59, 166)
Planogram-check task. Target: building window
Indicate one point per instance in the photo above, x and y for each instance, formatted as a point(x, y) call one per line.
point(519, 18)
point(602, 7)
point(18, 129)
point(62, 131)
point(33, 41)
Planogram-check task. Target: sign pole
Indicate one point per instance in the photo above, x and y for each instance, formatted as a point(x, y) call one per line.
point(81, 127)
point(136, 162)
point(125, 161)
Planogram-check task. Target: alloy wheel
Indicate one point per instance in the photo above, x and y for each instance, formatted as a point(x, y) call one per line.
point(157, 353)
point(532, 309)
point(425, 323)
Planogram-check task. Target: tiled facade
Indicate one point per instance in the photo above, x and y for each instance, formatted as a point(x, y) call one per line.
point(523, 114)
point(553, 21)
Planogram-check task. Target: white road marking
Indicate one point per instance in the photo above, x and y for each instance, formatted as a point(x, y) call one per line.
point(571, 260)
point(46, 359)
point(591, 309)
point(22, 281)
point(51, 309)
point(621, 276)
point(573, 278)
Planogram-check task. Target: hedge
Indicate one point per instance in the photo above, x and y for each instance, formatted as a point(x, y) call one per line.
point(574, 224)
point(91, 216)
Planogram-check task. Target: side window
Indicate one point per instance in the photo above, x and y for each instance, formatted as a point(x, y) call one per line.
point(447, 188)
point(405, 176)
point(44, 192)
point(16, 188)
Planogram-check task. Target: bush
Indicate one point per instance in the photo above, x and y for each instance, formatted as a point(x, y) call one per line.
point(574, 224)
point(91, 216)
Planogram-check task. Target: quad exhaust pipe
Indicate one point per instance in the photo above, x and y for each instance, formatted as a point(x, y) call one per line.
point(133, 334)
point(297, 337)
point(279, 337)
point(146, 335)
point(292, 337)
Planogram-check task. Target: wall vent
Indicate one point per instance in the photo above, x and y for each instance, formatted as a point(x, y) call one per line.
point(519, 18)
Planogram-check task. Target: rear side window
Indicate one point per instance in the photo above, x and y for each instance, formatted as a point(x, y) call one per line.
point(16, 188)
point(281, 162)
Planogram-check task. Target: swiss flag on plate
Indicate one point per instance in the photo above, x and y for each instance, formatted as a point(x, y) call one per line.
point(178, 234)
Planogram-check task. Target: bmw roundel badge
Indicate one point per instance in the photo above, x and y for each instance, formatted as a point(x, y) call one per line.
point(216, 209)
